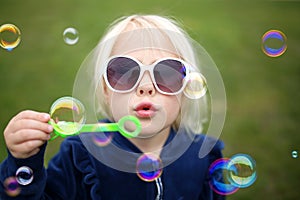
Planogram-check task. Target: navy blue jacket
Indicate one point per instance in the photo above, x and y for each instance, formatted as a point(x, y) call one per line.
point(75, 173)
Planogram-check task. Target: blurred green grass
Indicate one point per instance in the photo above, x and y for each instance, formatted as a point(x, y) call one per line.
point(263, 93)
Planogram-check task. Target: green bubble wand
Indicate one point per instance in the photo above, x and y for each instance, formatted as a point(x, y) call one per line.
point(65, 128)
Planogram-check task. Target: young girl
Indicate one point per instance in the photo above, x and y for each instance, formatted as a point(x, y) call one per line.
point(142, 67)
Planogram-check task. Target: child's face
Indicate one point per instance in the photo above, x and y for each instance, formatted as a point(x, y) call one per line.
point(156, 111)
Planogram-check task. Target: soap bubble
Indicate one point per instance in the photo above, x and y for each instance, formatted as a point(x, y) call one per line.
point(24, 175)
point(196, 86)
point(241, 170)
point(68, 115)
point(11, 187)
point(89, 76)
point(227, 175)
point(218, 177)
point(274, 43)
point(149, 167)
point(102, 139)
point(294, 154)
point(10, 36)
point(70, 36)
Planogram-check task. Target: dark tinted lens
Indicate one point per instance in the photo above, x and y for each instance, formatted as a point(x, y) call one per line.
point(169, 75)
point(122, 73)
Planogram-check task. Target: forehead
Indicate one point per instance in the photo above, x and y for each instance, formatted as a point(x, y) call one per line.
point(145, 41)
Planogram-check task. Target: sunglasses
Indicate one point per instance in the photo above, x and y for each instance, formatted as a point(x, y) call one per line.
point(169, 75)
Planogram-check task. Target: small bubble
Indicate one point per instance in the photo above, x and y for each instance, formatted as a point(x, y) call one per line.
point(10, 36)
point(70, 36)
point(149, 167)
point(102, 139)
point(274, 43)
point(24, 175)
point(11, 186)
point(295, 154)
point(196, 86)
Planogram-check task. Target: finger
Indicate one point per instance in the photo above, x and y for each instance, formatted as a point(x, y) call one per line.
point(30, 114)
point(32, 124)
point(25, 135)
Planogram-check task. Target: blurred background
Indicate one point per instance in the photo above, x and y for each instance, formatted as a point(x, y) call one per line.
point(263, 111)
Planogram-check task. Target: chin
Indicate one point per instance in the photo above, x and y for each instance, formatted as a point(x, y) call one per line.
point(150, 131)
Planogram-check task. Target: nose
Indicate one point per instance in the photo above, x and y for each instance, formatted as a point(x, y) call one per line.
point(145, 86)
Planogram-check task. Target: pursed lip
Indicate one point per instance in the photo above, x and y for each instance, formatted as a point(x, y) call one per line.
point(145, 109)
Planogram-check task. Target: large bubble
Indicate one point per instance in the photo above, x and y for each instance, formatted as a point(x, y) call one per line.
point(89, 88)
point(10, 36)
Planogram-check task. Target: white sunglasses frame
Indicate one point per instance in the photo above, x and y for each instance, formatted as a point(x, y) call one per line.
point(150, 68)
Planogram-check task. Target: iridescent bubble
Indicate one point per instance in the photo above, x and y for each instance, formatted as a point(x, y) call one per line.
point(11, 187)
point(10, 36)
point(149, 167)
point(70, 36)
point(68, 115)
point(196, 86)
point(102, 139)
point(274, 43)
point(24, 175)
point(218, 177)
point(295, 154)
point(241, 170)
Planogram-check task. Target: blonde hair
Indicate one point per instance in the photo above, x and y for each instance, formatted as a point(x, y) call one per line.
point(193, 111)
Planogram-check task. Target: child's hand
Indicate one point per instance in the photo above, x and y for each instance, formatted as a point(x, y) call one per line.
point(26, 132)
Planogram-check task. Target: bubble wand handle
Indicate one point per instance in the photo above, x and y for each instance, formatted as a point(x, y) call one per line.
point(112, 127)
point(99, 127)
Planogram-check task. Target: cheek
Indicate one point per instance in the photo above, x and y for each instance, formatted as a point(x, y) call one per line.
point(172, 107)
point(175, 109)
point(119, 105)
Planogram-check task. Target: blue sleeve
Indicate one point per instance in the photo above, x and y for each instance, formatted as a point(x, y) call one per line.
point(69, 175)
point(207, 192)
point(35, 189)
